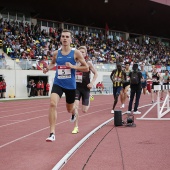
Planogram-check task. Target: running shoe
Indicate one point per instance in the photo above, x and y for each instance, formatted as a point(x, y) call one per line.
point(123, 106)
point(75, 130)
point(112, 111)
point(137, 112)
point(73, 118)
point(51, 138)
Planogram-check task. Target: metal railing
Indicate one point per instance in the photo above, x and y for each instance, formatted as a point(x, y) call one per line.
point(25, 64)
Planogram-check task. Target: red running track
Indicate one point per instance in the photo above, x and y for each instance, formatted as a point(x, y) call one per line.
point(24, 127)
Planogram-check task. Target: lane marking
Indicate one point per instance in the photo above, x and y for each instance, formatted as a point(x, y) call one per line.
point(44, 129)
point(67, 156)
point(39, 110)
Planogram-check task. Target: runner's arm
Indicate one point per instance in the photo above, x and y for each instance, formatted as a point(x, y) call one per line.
point(95, 75)
point(148, 75)
point(79, 58)
point(111, 76)
point(124, 77)
point(52, 64)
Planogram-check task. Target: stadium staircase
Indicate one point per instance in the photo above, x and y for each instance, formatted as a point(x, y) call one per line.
point(11, 64)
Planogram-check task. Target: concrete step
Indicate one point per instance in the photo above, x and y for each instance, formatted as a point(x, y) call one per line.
point(10, 64)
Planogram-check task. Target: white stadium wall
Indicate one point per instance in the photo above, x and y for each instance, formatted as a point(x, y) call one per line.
point(16, 80)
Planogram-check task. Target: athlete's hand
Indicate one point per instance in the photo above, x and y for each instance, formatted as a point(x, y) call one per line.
point(142, 80)
point(45, 70)
point(90, 85)
point(68, 64)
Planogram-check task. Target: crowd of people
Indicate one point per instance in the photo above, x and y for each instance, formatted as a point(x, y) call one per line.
point(130, 83)
point(27, 42)
point(38, 88)
point(3, 88)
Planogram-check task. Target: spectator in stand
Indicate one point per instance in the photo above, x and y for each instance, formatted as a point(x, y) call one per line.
point(42, 89)
point(47, 88)
point(0, 88)
point(9, 51)
point(39, 88)
point(2, 56)
point(3, 88)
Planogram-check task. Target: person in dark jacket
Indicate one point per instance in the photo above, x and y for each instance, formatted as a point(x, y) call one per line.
point(135, 90)
point(29, 88)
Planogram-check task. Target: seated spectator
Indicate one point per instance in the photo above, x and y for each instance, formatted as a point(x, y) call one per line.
point(100, 87)
point(2, 56)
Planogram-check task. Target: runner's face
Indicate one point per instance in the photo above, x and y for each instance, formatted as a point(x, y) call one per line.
point(127, 66)
point(66, 38)
point(83, 52)
point(155, 70)
point(119, 67)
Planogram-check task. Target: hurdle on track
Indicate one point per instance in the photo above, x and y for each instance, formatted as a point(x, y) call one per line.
point(163, 109)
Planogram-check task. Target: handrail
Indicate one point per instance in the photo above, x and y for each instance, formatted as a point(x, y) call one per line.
point(25, 64)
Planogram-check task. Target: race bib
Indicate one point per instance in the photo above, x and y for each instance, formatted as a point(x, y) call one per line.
point(118, 79)
point(127, 78)
point(165, 80)
point(79, 77)
point(64, 72)
point(154, 80)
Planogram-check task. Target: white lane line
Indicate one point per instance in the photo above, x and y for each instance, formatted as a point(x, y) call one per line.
point(13, 141)
point(38, 111)
point(22, 104)
point(1, 146)
point(22, 113)
point(23, 108)
point(67, 156)
point(21, 121)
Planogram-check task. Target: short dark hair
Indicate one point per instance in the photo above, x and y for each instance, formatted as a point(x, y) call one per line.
point(135, 66)
point(127, 63)
point(65, 30)
point(118, 64)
